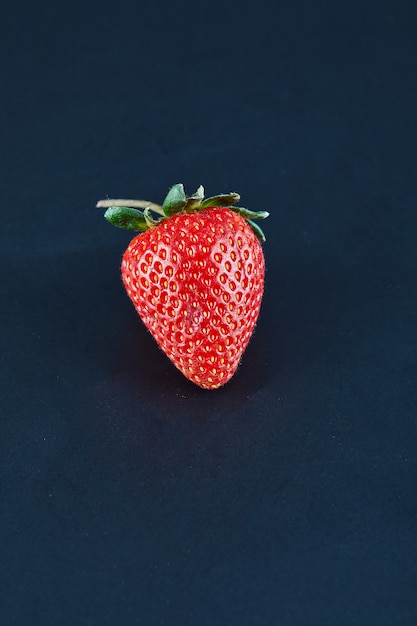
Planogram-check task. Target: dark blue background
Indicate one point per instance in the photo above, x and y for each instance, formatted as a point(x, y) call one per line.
point(128, 495)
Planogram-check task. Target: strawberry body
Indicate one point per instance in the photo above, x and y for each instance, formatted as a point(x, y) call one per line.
point(196, 280)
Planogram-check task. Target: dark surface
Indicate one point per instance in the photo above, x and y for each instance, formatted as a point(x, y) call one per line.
point(127, 495)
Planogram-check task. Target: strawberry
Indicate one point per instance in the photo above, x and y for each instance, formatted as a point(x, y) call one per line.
point(195, 276)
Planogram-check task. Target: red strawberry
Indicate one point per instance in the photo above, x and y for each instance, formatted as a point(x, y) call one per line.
point(196, 278)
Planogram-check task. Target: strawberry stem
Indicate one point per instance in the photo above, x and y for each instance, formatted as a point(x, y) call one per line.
point(133, 204)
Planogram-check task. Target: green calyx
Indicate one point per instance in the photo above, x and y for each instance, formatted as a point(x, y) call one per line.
point(128, 215)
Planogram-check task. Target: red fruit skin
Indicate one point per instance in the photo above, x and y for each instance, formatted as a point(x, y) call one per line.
point(197, 282)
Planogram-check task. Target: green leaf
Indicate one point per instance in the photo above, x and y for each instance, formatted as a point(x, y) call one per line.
point(199, 194)
point(175, 200)
point(250, 215)
point(257, 230)
point(226, 199)
point(150, 221)
point(124, 217)
point(194, 201)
